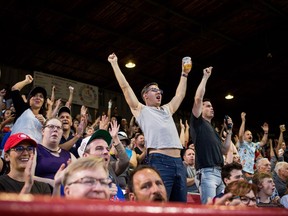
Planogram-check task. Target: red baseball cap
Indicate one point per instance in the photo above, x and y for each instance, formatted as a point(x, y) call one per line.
point(17, 138)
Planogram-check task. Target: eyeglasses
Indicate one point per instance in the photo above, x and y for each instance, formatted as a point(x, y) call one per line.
point(91, 181)
point(245, 200)
point(155, 90)
point(21, 149)
point(52, 127)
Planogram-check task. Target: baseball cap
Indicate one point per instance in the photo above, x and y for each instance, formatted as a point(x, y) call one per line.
point(98, 134)
point(35, 90)
point(14, 139)
point(82, 146)
point(64, 109)
point(123, 136)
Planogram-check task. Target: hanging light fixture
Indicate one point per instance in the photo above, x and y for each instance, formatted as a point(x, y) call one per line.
point(130, 64)
point(229, 96)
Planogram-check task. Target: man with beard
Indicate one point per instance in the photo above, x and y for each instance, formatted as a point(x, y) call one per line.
point(247, 147)
point(158, 126)
point(145, 184)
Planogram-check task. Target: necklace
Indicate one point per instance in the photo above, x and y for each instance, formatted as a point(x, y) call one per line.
point(57, 151)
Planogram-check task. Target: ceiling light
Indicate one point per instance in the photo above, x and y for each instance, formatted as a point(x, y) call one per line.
point(130, 64)
point(229, 97)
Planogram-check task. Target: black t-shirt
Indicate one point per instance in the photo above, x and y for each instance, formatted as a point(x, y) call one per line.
point(139, 152)
point(10, 185)
point(5, 167)
point(207, 143)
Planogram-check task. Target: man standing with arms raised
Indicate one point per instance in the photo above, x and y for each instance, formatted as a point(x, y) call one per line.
point(156, 122)
point(209, 148)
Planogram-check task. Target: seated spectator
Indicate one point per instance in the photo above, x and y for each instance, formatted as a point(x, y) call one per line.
point(88, 178)
point(19, 150)
point(145, 184)
point(281, 177)
point(229, 173)
point(265, 187)
point(243, 193)
point(284, 199)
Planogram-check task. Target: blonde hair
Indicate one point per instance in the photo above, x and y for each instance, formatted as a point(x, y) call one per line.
point(84, 163)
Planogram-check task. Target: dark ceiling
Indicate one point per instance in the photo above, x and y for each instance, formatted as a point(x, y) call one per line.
point(244, 40)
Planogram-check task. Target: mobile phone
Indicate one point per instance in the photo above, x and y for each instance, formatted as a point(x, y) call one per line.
point(229, 126)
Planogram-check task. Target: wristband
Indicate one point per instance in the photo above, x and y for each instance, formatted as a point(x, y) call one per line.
point(265, 132)
point(184, 75)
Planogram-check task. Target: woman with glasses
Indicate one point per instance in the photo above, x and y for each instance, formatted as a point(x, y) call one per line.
point(19, 151)
point(49, 156)
point(243, 193)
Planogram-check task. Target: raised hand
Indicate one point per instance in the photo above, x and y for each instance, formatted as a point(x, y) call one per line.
point(28, 78)
point(104, 122)
point(112, 58)
point(28, 177)
point(114, 129)
point(207, 71)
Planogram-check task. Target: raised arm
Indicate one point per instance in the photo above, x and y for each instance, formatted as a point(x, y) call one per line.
point(228, 125)
point(53, 94)
point(280, 139)
point(49, 108)
point(128, 92)
point(70, 99)
point(19, 85)
point(182, 133)
point(264, 139)
point(123, 162)
point(187, 133)
point(242, 127)
point(180, 91)
point(109, 109)
point(200, 92)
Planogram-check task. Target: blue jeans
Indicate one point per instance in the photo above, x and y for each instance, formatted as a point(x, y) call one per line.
point(173, 174)
point(210, 183)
